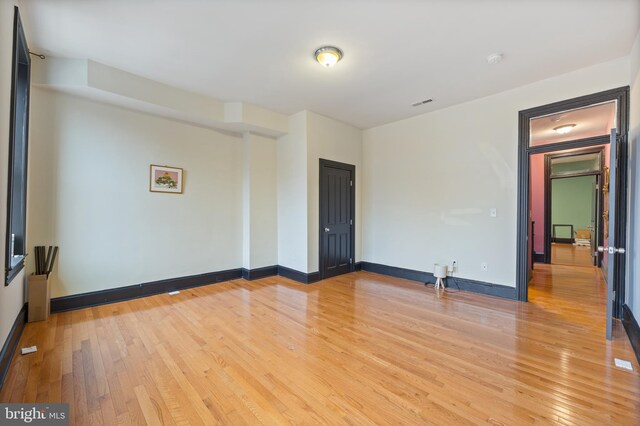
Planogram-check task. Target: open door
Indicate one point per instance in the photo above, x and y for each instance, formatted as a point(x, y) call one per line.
point(614, 254)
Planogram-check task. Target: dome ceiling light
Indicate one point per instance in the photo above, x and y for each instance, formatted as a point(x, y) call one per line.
point(564, 129)
point(328, 55)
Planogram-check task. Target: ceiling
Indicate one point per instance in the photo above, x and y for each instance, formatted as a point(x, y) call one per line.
point(596, 120)
point(396, 52)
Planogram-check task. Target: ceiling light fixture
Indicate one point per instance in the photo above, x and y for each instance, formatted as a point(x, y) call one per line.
point(564, 129)
point(328, 55)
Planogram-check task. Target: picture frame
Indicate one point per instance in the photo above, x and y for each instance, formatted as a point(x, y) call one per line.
point(165, 179)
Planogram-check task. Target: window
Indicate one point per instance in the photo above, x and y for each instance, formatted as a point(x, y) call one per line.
point(18, 137)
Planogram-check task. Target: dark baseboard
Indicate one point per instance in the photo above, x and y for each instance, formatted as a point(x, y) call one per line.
point(358, 266)
point(301, 277)
point(9, 347)
point(257, 273)
point(563, 240)
point(452, 282)
point(633, 331)
point(119, 294)
point(538, 257)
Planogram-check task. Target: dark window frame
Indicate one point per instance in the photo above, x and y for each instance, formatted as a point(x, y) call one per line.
point(18, 153)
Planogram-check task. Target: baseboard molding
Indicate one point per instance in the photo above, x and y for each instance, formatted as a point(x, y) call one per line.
point(257, 273)
point(119, 294)
point(563, 240)
point(9, 347)
point(465, 284)
point(632, 329)
point(538, 257)
point(301, 277)
point(358, 266)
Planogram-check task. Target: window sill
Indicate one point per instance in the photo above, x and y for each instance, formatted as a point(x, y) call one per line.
point(17, 265)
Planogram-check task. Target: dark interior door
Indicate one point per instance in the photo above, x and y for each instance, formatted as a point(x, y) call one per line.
point(336, 218)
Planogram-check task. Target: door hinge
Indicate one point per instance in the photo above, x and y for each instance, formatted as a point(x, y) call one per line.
point(350, 221)
point(350, 183)
point(350, 260)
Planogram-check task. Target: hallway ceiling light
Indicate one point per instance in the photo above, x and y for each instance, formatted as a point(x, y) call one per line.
point(328, 55)
point(564, 129)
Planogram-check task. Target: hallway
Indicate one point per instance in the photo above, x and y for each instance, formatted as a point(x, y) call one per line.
point(577, 296)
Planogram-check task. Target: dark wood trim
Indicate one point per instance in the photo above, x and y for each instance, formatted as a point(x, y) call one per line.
point(632, 329)
point(538, 257)
point(352, 170)
point(10, 345)
point(257, 273)
point(572, 144)
point(119, 294)
point(358, 266)
point(464, 284)
point(301, 277)
point(18, 41)
point(563, 240)
point(621, 95)
point(13, 272)
point(548, 176)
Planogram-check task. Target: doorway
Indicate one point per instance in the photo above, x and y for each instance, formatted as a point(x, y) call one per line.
point(563, 137)
point(337, 216)
point(573, 200)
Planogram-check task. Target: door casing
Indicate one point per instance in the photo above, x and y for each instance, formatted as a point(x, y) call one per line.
point(547, 194)
point(352, 200)
point(621, 95)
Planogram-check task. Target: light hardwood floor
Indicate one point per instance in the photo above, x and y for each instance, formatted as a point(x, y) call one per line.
point(358, 349)
point(568, 254)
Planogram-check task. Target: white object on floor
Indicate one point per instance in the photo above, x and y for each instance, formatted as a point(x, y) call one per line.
point(440, 272)
point(621, 363)
point(29, 350)
point(582, 242)
point(173, 293)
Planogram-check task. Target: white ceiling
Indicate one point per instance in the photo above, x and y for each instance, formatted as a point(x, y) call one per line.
point(396, 52)
point(596, 120)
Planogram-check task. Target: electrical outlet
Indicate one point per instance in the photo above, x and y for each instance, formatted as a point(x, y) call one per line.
point(452, 266)
point(484, 267)
point(493, 212)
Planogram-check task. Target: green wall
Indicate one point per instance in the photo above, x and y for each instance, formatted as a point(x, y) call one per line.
point(571, 203)
point(575, 167)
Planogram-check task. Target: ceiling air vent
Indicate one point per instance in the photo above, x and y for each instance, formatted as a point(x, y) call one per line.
point(426, 101)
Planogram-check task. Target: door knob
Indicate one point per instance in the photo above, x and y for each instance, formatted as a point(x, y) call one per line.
point(611, 250)
point(327, 229)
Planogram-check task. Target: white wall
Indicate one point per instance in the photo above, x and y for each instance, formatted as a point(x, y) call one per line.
point(292, 194)
point(89, 194)
point(260, 230)
point(431, 179)
point(331, 140)
point(11, 297)
point(633, 245)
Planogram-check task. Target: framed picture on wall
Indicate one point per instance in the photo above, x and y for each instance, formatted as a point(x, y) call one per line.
point(165, 179)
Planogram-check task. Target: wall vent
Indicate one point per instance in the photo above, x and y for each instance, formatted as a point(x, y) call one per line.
point(426, 101)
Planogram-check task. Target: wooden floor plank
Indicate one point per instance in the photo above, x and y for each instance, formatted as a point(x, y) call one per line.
point(355, 349)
